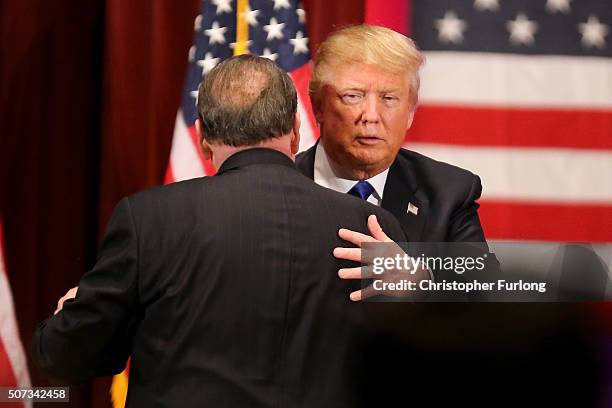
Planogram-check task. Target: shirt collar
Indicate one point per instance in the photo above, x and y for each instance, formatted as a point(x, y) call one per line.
point(325, 176)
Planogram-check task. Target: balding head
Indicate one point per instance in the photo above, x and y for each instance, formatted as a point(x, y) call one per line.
point(246, 100)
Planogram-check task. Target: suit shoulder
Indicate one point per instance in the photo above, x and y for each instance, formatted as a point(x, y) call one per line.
point(171, 193)
point(437, 173)
point(434, 166)
point(305, 154)
point(358, 210)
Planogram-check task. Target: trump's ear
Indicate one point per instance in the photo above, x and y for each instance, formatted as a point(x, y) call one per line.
point(206, 150)
point(295, 137)
point(410, 119)
point(317, 109)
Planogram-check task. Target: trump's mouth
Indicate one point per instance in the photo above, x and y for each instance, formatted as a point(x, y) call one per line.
point(369, 139)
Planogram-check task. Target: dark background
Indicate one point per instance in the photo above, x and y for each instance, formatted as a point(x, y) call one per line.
point(89, 91)
point(88, 96)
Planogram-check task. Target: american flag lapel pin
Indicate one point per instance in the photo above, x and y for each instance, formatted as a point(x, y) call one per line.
point(412, 209)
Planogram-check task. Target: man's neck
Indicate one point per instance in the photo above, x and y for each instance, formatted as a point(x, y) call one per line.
point(221, 152)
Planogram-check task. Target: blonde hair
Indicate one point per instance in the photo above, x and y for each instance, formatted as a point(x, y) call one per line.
point(367, 44)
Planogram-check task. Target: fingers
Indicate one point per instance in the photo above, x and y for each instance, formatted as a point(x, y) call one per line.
point(376, 230)
point(363, 272)
point(354, 254)
point(350, 254)
point(355, 238)
point(363, 294)
point(60, 305)
point(359, 273)
point(71, 294)
point(355, 296)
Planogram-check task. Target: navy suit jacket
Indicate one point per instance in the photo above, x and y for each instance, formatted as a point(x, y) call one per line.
point(445, 196)
point(224, 292)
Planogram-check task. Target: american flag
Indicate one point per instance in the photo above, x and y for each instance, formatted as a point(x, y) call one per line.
point(271, 28)
point(13, 365)
point(520, 92)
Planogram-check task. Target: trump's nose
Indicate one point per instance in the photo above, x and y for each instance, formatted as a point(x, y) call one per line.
point(370, 112)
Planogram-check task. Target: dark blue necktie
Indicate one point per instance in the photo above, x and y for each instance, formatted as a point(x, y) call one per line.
point(362, 189)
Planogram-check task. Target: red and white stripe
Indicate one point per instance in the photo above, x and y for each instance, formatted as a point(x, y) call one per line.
point(537, 129)
point(13, 365)
point(186, 160)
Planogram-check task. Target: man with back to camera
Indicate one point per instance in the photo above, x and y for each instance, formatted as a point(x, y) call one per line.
point(223, 289)
point(364, 99)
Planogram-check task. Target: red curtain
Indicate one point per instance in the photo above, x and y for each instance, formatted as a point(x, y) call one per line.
point(50, 78)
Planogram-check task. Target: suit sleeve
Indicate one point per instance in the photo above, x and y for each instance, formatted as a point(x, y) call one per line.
point(465, 224)
point(91, 335)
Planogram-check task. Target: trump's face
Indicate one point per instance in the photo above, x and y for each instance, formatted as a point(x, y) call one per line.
point(363, 112)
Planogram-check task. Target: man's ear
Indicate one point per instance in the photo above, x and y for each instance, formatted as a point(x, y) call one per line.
point(206, 150)
point(295, 138)
point(410, 119)
point(317, 109)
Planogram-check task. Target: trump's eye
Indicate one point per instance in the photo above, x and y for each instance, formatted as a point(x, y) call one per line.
point(390, 100)
point(352, 98)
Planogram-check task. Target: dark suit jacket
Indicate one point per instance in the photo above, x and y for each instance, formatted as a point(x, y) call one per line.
point(476, 354)
point(225, 293)
point(445, 196)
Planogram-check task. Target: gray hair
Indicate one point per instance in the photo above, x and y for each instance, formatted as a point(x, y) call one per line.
point(245, 100)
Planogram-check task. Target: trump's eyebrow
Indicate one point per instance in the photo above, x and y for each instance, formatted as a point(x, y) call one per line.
point(351, 86)
point(389, 90)
point(360, 87)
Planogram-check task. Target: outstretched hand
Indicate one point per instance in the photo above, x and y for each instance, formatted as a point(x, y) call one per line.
point(365, 272)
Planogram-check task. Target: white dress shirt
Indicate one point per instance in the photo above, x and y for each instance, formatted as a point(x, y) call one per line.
point(325, 176)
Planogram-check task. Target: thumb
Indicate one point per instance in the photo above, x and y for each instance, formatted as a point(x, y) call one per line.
point(376, 230)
